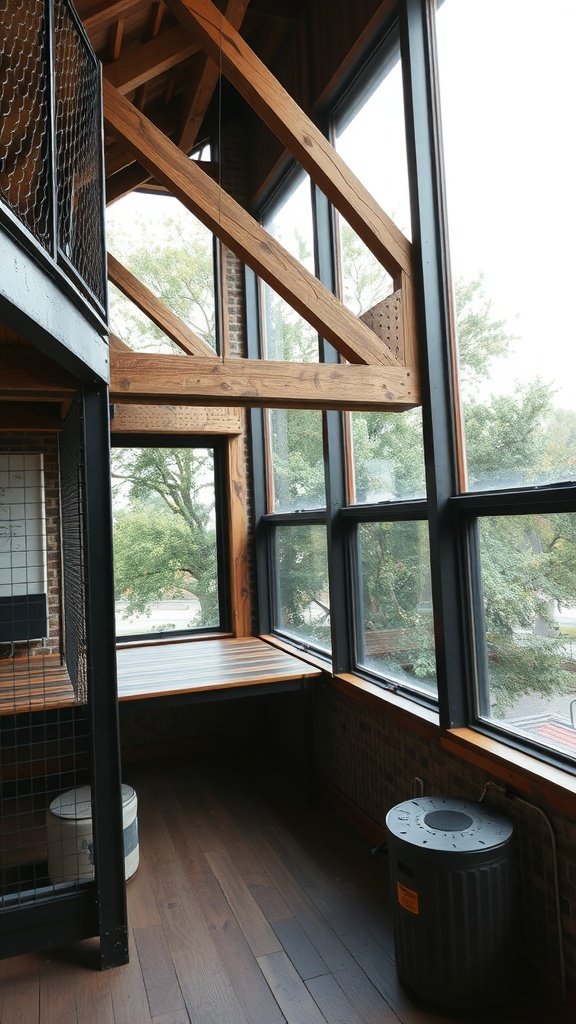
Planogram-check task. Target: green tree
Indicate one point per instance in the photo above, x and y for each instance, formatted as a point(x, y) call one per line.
point(164, 530)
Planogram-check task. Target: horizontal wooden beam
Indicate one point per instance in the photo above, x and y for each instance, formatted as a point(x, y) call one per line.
point(242, 234)
point(251, 383)
point(173, 419)
point(145, 61)
point(156, 310)
point(97, 16)
point(297, 132)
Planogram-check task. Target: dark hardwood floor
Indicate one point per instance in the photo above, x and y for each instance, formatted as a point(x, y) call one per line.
point(247, 908)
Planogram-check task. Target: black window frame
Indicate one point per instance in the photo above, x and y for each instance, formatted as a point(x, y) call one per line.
point(452, 516)
point(218, 444)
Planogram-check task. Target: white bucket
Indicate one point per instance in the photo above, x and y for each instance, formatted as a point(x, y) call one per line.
point(70, 846)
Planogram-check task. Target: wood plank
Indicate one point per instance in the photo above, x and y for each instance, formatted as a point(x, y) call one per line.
point(117, 345)
point(245, 975)
point(363, 995)
point(297, 945)
point(34, 683)
point(145, 61)
point(250, 383)
point(116, 38)
point(205, 82)
point(297, 132)
point(205, 985)
point(293, 997)
point(238, 542)
point(258, 933)
point(201, 666)
point(157, 310)
point(241, 233)
point(162, 986)
point(172, 419)
point(331, 1000)
point(128, 993)
point(99, 16)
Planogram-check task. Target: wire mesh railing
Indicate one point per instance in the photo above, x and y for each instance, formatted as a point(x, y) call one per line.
point(51, 173)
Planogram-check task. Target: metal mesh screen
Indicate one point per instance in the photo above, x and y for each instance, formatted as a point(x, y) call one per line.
point(78, 152)
point(25, 167)
point(72, 498)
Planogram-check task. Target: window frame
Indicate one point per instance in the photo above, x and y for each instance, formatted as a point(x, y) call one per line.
point(218, 445)
point(451, 514)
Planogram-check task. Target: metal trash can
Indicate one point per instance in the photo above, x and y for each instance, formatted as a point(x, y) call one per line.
point(452, 897)
point(69, 825)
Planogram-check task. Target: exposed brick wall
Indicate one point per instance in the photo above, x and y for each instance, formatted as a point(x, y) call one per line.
point(234, 159)
point(47, 444)
point(371, 760)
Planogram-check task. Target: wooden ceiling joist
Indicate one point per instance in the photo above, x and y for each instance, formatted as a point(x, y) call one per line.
point(297, 132)
point(101, 17)
point(242, 234)
point(145, 61)
point(158, 379)
point(156, 310)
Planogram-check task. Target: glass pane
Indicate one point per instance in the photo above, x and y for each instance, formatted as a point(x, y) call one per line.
point(388, 456)
point(286, 335)
point(510, 170)
point(165, 555)
point(173, 254)
point(371, 139)
point(297, 459)
point(302, 584)
point(529, 586)
point(396, 637)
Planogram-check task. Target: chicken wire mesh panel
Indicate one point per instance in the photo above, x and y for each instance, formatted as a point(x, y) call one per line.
point(72, 504)
point(25, 161)
point(44, 755)
point(79, 153)
point(44, 734)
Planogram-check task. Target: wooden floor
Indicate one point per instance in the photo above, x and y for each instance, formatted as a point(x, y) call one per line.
point(243, 911)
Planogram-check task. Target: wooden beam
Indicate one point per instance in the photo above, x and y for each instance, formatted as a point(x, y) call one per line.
point(239, 569)
point(297, 132)
point(116, 37)
point(173, 419)
point(34, 416)
point(117, 345)
point(242, 234)
point(27, 373)
point(145, 61)
point(255, 383)
point(102, 16)
point(205, 82)
point(156, 310)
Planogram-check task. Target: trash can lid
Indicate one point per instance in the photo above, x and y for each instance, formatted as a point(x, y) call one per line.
point(446, 823)
point(76, 804)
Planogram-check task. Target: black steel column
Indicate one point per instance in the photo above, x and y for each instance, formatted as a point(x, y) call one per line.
point(334, 452)
point(431, 272)
point(102, 688)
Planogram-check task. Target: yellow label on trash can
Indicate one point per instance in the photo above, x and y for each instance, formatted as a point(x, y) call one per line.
point(407, 898)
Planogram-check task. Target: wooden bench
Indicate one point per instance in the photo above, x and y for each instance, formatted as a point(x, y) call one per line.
point(204, 669)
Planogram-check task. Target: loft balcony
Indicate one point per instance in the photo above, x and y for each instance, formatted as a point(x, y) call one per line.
point(53, 289)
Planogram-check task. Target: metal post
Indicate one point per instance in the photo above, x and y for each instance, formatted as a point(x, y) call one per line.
point(432, 281)
point(102, 690)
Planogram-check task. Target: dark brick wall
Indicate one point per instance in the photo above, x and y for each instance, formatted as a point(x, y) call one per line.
point(372, 760)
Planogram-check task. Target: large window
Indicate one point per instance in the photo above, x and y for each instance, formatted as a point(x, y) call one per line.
point(168, 558)
point(455, 522)
point(510, 170)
